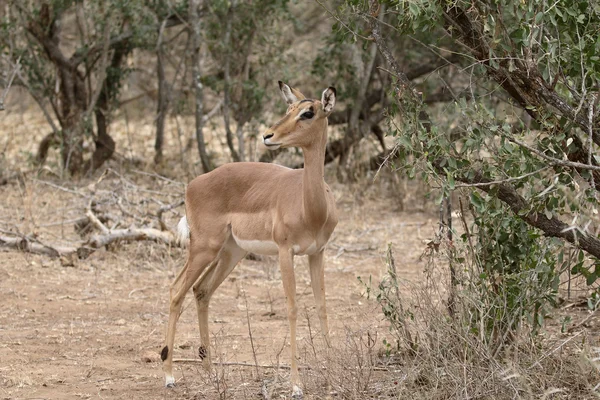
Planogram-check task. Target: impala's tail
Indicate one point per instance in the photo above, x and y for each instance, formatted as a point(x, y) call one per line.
point(183, 231)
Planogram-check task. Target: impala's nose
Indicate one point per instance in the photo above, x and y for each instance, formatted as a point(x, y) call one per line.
point(268, 136)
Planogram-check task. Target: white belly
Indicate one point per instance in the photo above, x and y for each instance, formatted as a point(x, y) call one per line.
point(263, 247)
point(270, 248)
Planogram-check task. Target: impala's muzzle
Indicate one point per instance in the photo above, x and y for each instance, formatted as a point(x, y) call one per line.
point(267, 141)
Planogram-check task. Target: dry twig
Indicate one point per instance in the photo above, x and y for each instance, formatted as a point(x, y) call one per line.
point(9, 84)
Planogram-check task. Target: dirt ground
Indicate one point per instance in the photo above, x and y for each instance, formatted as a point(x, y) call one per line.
point(94, 328)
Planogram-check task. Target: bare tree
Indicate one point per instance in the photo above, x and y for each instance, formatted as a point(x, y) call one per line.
point(196, 43)
point(227, 83)
point(163, 98)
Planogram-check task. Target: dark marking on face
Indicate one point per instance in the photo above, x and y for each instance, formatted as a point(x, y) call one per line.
point(202, 352)
point(164, 353)
point(306, 100)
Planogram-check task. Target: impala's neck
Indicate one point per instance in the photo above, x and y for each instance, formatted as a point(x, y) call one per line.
point(313, 186)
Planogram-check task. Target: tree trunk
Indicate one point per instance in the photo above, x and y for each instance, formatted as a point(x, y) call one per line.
point(163, 100)
point(355, 130)
point(227, 85)
point(105, 145)
point(196, 76)
point(241, 142)
point(73, 104)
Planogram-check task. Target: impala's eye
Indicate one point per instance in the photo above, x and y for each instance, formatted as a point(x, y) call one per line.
point(307, 115)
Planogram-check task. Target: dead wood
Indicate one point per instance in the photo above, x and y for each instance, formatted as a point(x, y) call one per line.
point(29, 246)
point(165, 208)
point(85, 248)
point(132, 234)
point(268, 366)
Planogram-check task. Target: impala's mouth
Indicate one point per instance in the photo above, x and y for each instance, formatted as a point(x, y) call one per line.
point(271, 145)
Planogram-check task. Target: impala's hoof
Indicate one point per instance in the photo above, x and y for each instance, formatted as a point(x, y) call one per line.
point(297, 393)
point(169, 382)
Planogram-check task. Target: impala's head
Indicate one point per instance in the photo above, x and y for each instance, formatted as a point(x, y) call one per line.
point(304, 123)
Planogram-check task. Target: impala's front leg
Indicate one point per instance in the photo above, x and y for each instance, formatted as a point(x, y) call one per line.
point(286, 265)
point(317, 281)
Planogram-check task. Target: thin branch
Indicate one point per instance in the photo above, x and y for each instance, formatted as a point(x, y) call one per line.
point(556, 161)
point(102, 71)
point(537, 363)
point(250, 332)
point(268, 366)
point(507, 180)
point(551, 226)
point(213, 112)
point(342, 22)
point(584, 321)
point(61, 188)
point(163, 209)
point(590, 133)
point(91, 52)
point(95, 221)
point(10, 81)
point(239, 364)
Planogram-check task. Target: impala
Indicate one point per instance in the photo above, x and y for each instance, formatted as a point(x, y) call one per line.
point(264, 209)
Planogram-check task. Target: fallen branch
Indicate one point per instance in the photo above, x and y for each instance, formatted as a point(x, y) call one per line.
point(132, 234)
point(268, 366)
point(84, 249)
point(110, 236)
point(239, 364)
point(95, 221)
point(29, 246)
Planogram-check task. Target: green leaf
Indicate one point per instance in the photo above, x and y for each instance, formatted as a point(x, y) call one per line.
point(451, 183)
point(539, 16)
point(414, 9)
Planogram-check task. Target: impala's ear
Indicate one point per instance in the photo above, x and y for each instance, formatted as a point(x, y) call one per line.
point(328, 99)
point(290, 94)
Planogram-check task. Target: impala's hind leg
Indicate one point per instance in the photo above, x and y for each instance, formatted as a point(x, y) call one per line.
point(204, 288)
point(198, 260)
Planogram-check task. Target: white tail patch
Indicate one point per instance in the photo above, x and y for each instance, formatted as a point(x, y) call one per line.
point(183, 231)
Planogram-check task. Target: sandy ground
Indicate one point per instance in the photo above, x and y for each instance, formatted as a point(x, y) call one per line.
point(94, 329)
